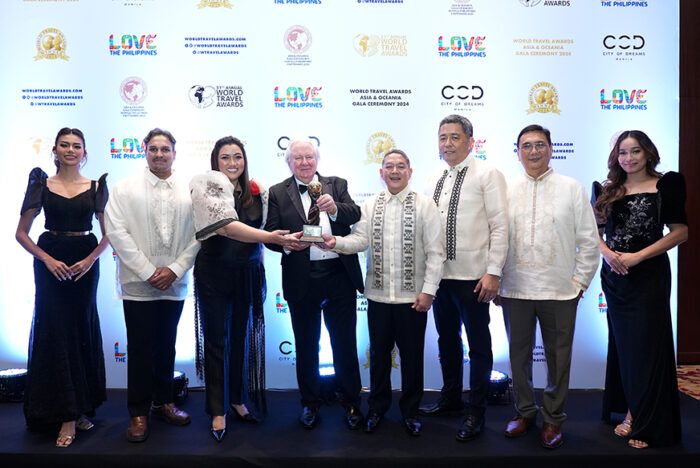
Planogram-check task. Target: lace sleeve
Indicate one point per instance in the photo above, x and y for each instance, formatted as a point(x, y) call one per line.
point(212, 202)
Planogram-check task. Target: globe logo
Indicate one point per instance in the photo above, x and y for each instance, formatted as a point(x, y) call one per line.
point(202, 96)
point(297, 39)
point(366, 44)
point(133, 90)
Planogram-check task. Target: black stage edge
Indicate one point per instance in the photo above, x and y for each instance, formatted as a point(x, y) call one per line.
point(281, 442)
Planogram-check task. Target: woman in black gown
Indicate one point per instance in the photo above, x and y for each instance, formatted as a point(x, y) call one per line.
point(66, 369)
point(632, 208)
point(230, 288)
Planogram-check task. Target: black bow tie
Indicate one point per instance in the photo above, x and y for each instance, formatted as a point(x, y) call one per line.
point(302, 188)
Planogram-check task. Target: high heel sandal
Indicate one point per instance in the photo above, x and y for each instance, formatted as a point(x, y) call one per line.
point(247, 417)
point(64, 440)
point(638, 444)
point(83, 424)
point(624, 428)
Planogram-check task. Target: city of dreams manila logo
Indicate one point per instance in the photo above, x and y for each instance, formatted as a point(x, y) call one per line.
point(543, 98)
point(51, 44)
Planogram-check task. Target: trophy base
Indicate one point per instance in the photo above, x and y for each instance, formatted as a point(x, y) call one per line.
point(311, 233)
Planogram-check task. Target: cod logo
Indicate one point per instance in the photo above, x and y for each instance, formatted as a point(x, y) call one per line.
point(543, 98)
point(394, 364)
point(51, 44)
point(377, 146)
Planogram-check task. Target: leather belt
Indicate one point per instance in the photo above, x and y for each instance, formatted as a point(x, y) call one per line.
point(70, 233)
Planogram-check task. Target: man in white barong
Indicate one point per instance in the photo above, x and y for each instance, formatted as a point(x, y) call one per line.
point(404, 234)
point(552, 258)
point(149, 223)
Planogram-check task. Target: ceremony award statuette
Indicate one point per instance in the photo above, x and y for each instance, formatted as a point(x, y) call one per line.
point(312, 231)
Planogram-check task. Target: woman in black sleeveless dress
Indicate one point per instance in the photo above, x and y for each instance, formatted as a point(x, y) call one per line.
point(632, 208)
point(66, 369)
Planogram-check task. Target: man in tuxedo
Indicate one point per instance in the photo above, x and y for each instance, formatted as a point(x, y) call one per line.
point(314, 280)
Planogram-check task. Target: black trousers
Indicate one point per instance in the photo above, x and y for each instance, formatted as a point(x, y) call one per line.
point(333, 293)
point(225, 321)
point(398, 324)
point(151, 330)
point(456, 304)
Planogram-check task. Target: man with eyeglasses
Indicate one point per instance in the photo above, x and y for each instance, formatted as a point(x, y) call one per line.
point(552, 257)
point(471, 197)
point(149, 222)
point(315, 280)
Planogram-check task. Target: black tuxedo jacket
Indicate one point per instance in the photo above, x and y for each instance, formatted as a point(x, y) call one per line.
point(287, 212)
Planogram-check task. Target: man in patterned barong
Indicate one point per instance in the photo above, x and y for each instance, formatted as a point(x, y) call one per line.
point(471, 198)
point(404, 234)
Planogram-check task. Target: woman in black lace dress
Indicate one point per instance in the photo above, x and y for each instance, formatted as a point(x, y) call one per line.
point(66, 369)
point(230, 287)
point(632, 207)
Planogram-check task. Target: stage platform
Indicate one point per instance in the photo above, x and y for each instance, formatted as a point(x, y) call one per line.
point(281, 442)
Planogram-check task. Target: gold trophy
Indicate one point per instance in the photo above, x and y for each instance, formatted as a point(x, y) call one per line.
point(312, 231)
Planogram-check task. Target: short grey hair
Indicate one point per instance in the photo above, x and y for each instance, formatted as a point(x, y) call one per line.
point(467, 126)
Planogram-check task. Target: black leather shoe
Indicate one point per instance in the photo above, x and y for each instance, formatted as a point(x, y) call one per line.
point(413, 426)
point(218, 434)
point(248, 417)
point(471, 428)
point(372, 422)
point(441, 406)
point(353, 417)
point(309, 417)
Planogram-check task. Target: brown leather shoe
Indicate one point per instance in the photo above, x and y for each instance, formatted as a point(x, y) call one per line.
point(170, 414)
point(518, 426)
point(138, 429)
point(551, 436)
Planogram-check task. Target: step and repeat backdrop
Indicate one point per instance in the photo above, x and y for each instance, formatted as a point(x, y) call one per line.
point(359, 77)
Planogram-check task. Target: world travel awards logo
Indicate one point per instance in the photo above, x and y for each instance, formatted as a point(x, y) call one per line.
point(133, 91)
point(51, 44)
point(386, 45)
point(543, 98)
point(202, 96)
point(132, 45)
point(462, 46)
point(297, 40)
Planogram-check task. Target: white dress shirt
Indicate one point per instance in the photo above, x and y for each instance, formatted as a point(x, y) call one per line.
point(149, 222)
point(428, 251)
point(315, 253)
point(481, 234)
point(554, 244)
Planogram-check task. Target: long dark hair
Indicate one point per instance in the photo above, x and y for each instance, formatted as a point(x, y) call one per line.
point(69, 131)
point(613, 187)
point(243, 180)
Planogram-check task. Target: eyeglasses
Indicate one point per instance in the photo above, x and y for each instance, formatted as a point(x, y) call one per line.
point(527, 147)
